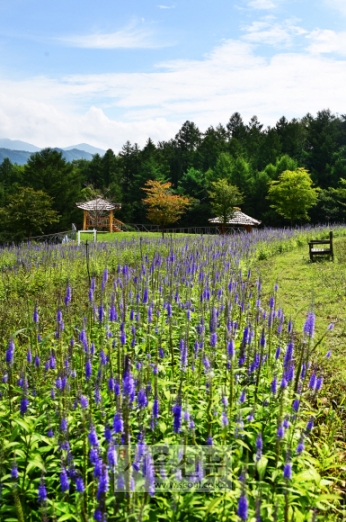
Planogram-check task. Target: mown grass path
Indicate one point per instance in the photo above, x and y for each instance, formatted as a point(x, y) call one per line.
point(320, 286)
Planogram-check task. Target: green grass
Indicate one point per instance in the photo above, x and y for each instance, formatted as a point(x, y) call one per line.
point(118, 236)
point(321, 287)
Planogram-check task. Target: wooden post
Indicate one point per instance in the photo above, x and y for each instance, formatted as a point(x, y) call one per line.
point(84, 219)
point(111, 221)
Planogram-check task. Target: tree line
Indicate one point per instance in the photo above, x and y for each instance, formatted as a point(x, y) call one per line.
point(248, 155)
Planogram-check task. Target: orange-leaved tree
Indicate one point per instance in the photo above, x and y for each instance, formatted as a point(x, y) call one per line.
point(163, 207)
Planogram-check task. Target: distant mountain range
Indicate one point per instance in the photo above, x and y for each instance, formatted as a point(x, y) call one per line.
point(19, 151)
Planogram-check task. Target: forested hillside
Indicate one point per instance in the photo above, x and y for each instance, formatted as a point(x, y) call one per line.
point(248, 155)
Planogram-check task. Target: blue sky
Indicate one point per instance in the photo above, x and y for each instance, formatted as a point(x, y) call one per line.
point(103, 72)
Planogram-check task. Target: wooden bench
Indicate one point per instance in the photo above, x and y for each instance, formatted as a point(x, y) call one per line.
point(315, 250)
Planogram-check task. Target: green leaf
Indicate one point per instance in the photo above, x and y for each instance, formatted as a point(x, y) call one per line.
point(68, 516)
point(213, 504)
point(35, 464)
point(262, 466)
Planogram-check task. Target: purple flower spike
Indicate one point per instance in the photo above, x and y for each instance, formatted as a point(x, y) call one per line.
point(312, 382)
point(319, 383)
point(118, 423)
point(42, 493)
point(309, 326)
point(10, 353)
point(80, 485)
point(24, 403)
point(242, 397)
point(281, 432)
point(243, 507)
point(93, 437)
point(295, 405)
point(300, 447)
point(14, 472)
point(259, 446)
point(177, 417)
point(288, 471)
point(64, 482)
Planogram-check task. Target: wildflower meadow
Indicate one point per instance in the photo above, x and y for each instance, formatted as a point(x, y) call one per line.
point(152, 379)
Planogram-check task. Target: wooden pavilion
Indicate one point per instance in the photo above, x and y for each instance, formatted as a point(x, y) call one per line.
point(99, 214)
point(239, 219)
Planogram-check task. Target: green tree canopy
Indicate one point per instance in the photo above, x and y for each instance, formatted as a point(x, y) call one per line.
point(224, 197)
point(28, 213)
point(49, 172)
point(292, 195)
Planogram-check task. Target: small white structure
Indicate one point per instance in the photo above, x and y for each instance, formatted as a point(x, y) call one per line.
point(98, 213)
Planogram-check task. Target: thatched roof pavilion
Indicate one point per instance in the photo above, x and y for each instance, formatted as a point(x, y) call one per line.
point(98, 213)
point(239, 219)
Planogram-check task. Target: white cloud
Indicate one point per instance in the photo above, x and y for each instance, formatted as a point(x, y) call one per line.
point(130, 37)
point(261, 4)
point(231, 78)
point(327, 41)
point(268, 31)
point(340, 5)
point(166, 6)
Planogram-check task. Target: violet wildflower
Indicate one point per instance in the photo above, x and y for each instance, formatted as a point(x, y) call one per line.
point(24, 403)
point(145, 296)
point(309, 326)
point(177, 417)
point(142, 399)
point(10, 353)
point(156, 408)
point(295, 405)
point(111, 456)
point(35, 315)
point(281, 432)
point(289, 354)
point(68, 295)
point(84, 402)
point(37, 361)
point(29, 356)
point(64, 481)
point(118, 423)
point(312, 382)
point(149, 475)
point(242, 397)
point(230, 348)
point(14, 471)
point(88, 370)
point(319, 383)
point(310, 425)
point(183, 354)
point(273, 386)
point(63, 424)
point(42, 492)
point(128, 384)
point(93, 437)
point(300, 447)
point(213, 339)
point(288, 471)
point(259, 446)
point(277, 353)
point(80, 485)
point(103, 483)
point(242, 511)
point(224, 419)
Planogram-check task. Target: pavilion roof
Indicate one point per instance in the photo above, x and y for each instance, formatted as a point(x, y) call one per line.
point(98, 204)
point(239, 218)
